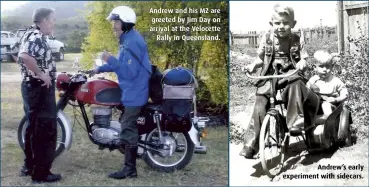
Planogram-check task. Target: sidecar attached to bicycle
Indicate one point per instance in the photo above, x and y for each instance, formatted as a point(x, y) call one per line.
point(275, 137)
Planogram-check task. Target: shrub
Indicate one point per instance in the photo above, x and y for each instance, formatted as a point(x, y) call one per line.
point(330, 44)
point(353, 70)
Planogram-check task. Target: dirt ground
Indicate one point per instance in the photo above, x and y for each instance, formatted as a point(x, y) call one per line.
point(249, 172)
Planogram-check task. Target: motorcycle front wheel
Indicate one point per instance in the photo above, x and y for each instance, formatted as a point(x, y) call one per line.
point(61, 136)
point(175, 152)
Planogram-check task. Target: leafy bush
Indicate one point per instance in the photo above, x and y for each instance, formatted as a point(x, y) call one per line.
point(352, 69)
point(208, 59)
point(328, 43)
point(74, 42)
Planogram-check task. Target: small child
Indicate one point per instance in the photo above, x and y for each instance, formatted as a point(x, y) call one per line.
point(331, 89)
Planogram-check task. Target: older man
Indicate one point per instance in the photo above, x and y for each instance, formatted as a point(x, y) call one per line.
point(38, 91)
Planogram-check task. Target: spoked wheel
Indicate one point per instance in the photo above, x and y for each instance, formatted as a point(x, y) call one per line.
point(61, 136)
point(273, 145)
point(174, 152)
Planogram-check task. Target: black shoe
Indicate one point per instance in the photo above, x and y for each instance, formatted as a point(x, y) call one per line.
point(126, 172)
point(129, 170)
point(247, 152)
point(25, 171)
point(45, 177)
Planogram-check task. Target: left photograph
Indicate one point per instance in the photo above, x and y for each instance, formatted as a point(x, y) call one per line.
point(114, 92)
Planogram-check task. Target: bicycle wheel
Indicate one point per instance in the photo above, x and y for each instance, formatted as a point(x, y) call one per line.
point(272, 145)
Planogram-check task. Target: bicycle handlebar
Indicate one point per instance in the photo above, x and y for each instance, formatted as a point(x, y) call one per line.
point(271, 76)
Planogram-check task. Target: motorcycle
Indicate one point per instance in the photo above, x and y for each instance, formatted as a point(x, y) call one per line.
point(162, 148)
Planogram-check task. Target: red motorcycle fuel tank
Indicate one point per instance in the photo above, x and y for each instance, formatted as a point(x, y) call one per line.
point(99, 92)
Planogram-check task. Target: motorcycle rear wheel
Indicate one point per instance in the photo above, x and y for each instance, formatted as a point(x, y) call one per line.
point(60, 141)
point(151, 157)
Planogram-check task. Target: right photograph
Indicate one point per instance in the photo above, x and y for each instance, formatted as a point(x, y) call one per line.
point(298, 93)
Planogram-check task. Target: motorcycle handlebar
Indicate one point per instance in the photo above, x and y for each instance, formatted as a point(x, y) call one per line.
point(271, 76)
point(90, 73)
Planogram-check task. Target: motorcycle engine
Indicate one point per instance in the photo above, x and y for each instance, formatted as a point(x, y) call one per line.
point(108, 134)
point(104, 130)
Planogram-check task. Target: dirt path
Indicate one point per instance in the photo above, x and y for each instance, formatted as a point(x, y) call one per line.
point(249, 172)
point(10, 77)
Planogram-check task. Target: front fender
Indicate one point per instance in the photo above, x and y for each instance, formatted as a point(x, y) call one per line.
point(68, 130)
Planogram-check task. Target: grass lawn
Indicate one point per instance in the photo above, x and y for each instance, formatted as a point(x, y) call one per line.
point(85, 165)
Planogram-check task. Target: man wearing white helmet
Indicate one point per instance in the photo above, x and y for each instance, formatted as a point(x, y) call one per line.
point(133, 69)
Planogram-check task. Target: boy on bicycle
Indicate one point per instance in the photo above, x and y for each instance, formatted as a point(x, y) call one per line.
point(330, 88)
point(279, 49)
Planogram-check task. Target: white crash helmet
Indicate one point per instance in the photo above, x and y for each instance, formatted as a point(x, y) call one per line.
point(124, 13)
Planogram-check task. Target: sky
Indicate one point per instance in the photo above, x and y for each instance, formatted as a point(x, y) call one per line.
point(255, 16)
point(7, 5)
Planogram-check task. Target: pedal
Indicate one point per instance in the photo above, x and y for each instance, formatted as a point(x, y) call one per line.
point(296, 131)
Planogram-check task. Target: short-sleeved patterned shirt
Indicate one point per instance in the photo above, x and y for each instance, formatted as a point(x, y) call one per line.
point(35, 45)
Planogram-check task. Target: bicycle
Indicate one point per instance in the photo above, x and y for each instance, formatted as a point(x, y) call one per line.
point(275, 134)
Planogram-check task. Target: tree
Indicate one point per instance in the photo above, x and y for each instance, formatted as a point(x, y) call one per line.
point(208, 59)
point(75, 40)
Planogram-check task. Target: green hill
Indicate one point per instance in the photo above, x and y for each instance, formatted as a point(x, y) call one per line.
point(71, 23)
point(63, 9)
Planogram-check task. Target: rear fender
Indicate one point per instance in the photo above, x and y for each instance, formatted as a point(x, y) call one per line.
point(194, 135)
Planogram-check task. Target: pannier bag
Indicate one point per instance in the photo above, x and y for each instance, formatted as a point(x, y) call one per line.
point(178, 92)
point(179, 97)
point(177, 115)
